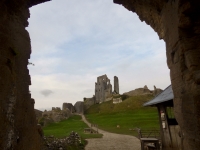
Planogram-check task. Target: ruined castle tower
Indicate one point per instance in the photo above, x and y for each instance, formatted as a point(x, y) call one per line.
point(103, 88)
point(116, 85)
point(68, 106)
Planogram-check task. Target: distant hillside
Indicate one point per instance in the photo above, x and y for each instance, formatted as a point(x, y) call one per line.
point(144, 91)
point(121, 117)
point(129, 104)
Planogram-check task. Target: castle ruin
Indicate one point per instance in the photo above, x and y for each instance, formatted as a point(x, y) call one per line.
point(176, 22)
point(116, 85)
point(68, 106)
point(103, 88)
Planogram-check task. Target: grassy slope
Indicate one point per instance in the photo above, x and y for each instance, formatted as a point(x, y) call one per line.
point(64, 128)
point(128, 114)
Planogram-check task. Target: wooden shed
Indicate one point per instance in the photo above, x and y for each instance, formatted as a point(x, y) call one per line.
point(170, 131)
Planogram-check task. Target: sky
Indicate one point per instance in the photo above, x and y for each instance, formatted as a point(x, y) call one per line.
point(74, 42)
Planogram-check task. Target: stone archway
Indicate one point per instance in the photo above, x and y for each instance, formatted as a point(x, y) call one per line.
point(175, 21)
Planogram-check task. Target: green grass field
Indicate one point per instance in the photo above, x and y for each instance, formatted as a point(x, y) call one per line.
point(128, 115)
point(65, 127)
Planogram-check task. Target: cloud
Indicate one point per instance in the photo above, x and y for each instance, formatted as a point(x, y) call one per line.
point(74, 44)
point(46, 92)
point(88, 91)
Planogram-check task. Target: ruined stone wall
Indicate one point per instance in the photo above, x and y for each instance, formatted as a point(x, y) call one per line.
point(175, 21)
point(79, 107)
point(88, 102)
point(156, 91)
point(116, 85)
point(54, 115)
point(178, 23)
point(103, 88)
point(68, 106)
point(17, 117)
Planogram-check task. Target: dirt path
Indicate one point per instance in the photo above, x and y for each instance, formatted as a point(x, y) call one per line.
point(112, 141)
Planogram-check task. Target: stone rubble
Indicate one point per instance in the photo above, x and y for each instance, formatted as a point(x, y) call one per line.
point(74, 140)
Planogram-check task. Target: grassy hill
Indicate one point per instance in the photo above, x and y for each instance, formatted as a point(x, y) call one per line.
point(128, 115)
point(64, 128)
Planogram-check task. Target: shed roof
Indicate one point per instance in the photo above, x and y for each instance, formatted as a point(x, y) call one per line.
point(164, 96)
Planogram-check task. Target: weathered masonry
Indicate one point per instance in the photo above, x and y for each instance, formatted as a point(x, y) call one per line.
point(177, 22)
point(116, 85)
point(103, 88)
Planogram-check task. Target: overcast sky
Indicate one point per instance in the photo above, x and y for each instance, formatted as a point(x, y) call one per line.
point(75, 41)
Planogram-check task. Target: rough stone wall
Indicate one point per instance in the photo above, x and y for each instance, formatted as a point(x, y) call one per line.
point(17, 118)
point(116, 85)
point(117, 100)
point(156, 91)
point(68, 106)
point(146, 89)
point(103, 88)
point(177, 22)
point(79, 107)
point(54, 115)
point(89, 102)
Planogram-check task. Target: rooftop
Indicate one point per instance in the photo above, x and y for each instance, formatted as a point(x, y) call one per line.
point(164, 96)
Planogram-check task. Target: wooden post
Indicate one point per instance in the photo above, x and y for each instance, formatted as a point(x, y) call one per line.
point(165, 131)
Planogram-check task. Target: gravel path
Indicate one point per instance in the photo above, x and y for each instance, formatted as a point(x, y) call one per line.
point(112, 141)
